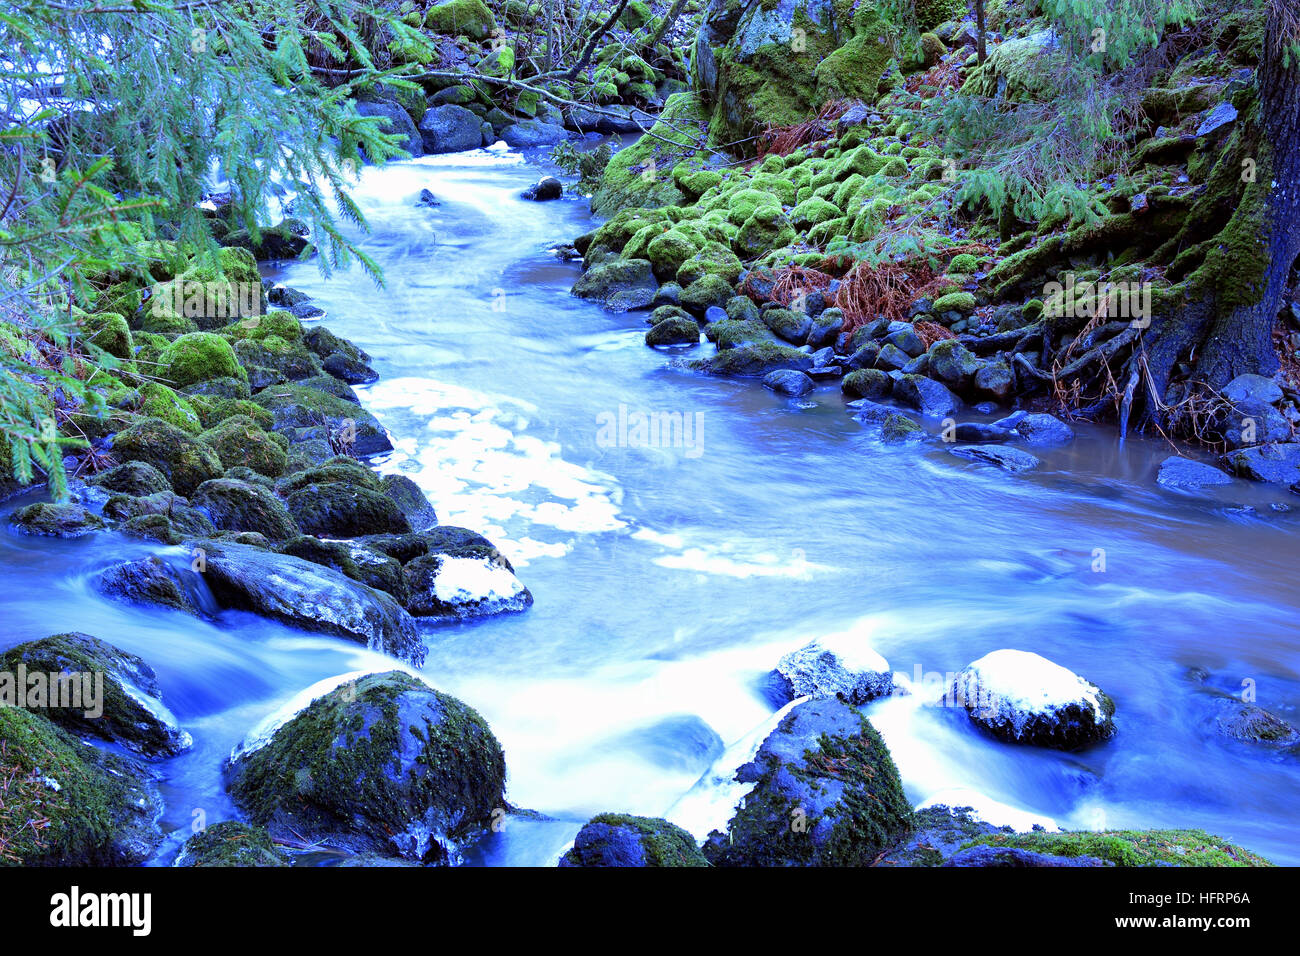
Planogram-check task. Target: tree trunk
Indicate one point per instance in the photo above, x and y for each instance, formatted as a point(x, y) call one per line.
point(979, 24)
point(1241, 340)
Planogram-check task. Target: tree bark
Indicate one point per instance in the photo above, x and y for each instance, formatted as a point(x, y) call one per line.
point(979, 23)
point(1241, 340)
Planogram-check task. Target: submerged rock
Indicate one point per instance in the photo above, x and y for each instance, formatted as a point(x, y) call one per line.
point(119, 699)
point(382, 764)
point(101, 809)
point(1003, 456)
point(616, 839)
point(826, 793)
point(1022, 697)
point(841, 665)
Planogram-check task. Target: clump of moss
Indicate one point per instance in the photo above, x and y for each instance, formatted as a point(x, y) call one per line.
point(1133, 847)
point(198, 357)
point(68, 804)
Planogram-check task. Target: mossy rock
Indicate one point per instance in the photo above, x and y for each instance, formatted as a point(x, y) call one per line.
point(669, 250)
point(619, 285)
point(109, 331)
point(129, 711)
point(383, 764)
point(230, 843)
point(198, 357)
point(812, 212)
point(57, 520)
point(867, 383)
point(1132, 847)
point(677, 330)
point(855, 69)
point(336, 469)
point(181, 517)
point(183, 459)
point(470, 18)
point(337, 510)
point(131, 478)
point(619, 839)
point(243, 506)
point(240, 441)
point(767, 229)
point(735, 333)
point(640, 175)
point(100, 809)
point(714, 259)
point(706, 291)
point(411, 501)
point(754, 360)
point(159, 401)
point(826, 793)
point(304, 412)
point(955, 302)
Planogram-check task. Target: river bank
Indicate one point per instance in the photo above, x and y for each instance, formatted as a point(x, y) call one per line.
point(670, 578)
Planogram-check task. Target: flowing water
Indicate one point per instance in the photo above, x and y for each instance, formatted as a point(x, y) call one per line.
point(668, 580)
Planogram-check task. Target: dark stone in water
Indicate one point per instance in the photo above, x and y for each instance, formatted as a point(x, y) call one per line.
point(545, 189)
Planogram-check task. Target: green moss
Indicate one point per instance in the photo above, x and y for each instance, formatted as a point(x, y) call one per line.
point(767, 229)
point(109, 331)
point(1133, 847)
point(371, 761)
point(964, 264)
point(159, 401)
point(715, 259)
point(955, 302)
point(231, 843)
point(669, 250)
point(855, 69)
point(183, 459)
point(661, 843)
point(240, 441)
point(640, 175)
point(198, 357)
point(812, 212)
point(84, 815)
point(469, 18)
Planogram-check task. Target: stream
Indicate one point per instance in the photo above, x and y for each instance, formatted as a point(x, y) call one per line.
point(669, 580)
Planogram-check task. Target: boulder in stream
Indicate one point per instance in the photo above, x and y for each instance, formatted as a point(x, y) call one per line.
point(96, 689)
point(377, 763)
point(839, 665)
point(618, 839)
point(1024, 698)
point(309, 596)
point(826, 793)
